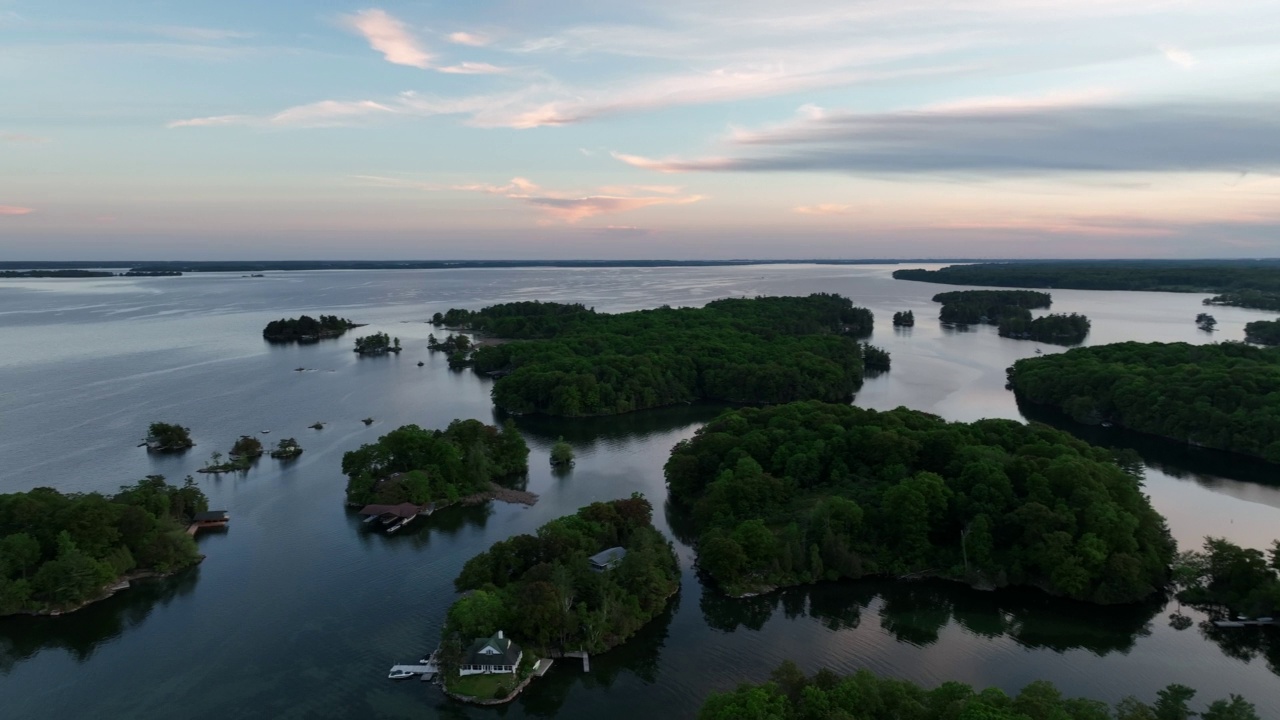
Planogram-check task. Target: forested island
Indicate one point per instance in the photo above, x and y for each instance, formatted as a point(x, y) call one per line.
point(586, 581)
point(1231, 581)
point(904, 319)
point(378, 343)
point(1263, 332)
point(1224, 396)
point(989, 307)
point(168, 437)
point(410, 464)
point(243, 453)
point(79, 273)
point(572, 361)
point(1247, 283)
point(306, 328)
point(1206, 322)
point(809, 491)
point(1255, 299)
point(59, 551)
point(1010, 310)
point(790, 695)
point(1054, 328)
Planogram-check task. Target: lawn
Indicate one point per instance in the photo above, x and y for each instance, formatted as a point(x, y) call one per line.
point(481, 686)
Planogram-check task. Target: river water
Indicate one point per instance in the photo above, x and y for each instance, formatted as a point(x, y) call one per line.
point(298, 611)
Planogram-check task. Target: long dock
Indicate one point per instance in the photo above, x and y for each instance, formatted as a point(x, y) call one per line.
point(420, 669)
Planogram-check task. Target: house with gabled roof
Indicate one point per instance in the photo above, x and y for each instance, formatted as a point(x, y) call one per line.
point(497, 654)
point(607, 559)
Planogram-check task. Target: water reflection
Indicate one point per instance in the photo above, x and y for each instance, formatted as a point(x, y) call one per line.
point(1246, 643)
point(1180, 460)
point(449, 521)
point(82, 632)
point(916, 612)
point(639, 656)
point(587, 433)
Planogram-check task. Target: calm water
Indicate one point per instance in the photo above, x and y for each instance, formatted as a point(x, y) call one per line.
point(298, 612)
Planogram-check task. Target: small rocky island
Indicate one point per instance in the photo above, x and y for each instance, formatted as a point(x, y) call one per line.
point(904, 319)
point(243, 453)
point(377, 344)
point(306, 329)
point(287, 449)
point(167, 437)
point(561, 454)
point(571, 585)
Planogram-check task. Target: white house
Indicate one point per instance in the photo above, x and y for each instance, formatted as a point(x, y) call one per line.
point(491, 655)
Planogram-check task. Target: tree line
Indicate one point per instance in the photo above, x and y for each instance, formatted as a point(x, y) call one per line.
point(410, 464)
point(790, 695)
point(810, 491)
point(542, 590)
point(1056, 329)
point(575, 362)
point(1263, 332)
point(1242, 282)
point(306, 328)
point(1224, 396)
point(60, 550)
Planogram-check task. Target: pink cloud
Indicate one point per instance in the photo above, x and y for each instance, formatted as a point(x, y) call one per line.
point(823, 209)
point(15, 210)
point(567, 207)
point(390, 37)
point(672, 165)
point(470, 39)
point(326, 113)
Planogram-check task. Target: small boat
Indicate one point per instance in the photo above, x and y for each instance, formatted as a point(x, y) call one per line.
point(1039, 352)
point(399, 674)
point(369, 519)
point(265, 432)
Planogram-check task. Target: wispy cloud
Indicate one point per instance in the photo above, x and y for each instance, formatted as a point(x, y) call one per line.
point(1178, 56)
point(473, 68)
point(993, 141)
point(198, 34)
point(561, 206)
point(390, 37)
point(15, 210)
point(326, 113)
point(469, 39)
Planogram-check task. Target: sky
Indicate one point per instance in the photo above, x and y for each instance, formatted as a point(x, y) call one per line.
point(682, 129)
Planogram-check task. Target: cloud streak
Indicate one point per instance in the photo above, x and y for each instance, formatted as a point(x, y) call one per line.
point(998, 141)
point(390, 37)
point(11, 210)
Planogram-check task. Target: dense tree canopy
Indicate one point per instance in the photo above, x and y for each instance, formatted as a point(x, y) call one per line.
point(1255, 299)
point(577, 362)
point(789, 695)
point(59, 550)
point(1224, 396)
point(1225, 576)
point(904, 319)
point(542, 590)
point(1053, 328)
point(809, 491)
point(1263, 332)
point(306, 328)
point(168, 437)
point(410, 464)
point(972, 307)
point(377, 344)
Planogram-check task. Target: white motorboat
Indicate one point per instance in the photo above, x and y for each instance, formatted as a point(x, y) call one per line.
point(396, 674)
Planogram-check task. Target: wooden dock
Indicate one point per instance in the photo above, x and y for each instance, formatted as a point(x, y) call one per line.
point(586, 658)
point(542, 667)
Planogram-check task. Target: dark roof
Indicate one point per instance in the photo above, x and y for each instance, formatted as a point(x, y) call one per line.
point(404, 510)
point(607, 558)
point(508, 653)
point(212, 516)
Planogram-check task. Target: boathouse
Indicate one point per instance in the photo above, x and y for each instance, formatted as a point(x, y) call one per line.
point(403, 510)
point(607, 559)
point(491, 655)
point(209, 519)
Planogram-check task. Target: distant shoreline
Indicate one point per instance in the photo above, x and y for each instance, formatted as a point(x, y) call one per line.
point(257, 266)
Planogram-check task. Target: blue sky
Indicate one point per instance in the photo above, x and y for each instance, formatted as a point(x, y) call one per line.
point(696, 129)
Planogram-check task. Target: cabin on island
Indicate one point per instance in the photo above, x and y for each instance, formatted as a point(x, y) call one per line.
point(607, 559)
point(210, 519)
point(491, 655)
